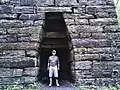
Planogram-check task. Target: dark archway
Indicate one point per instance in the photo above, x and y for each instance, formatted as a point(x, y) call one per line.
point(55, 37)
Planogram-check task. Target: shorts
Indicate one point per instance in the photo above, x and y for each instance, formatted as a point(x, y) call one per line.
point(53, 71)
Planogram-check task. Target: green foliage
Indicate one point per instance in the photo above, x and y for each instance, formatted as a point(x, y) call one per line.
point(118, 11)
point(110, 87)
point(13, 87)
point(35, 86)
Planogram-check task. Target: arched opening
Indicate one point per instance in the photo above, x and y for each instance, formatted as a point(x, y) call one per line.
point(55, 37)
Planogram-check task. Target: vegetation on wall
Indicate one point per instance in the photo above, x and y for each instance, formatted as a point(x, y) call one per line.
point(117, 2)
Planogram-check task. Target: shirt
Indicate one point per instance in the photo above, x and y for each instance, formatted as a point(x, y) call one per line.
point(53, 61)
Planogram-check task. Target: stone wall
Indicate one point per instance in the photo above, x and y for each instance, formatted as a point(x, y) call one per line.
point(93, 29)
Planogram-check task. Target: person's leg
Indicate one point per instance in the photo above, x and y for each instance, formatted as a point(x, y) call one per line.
point(56, 75)
point(50, 75)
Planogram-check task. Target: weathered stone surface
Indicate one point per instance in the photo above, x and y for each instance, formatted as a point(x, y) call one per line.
point(83, 65)
point(38, 23)
point(27, 2)
point(29, 79)
point(94, 36)
point(69, 21)
point(17, 62)
point(86, 81)
point(31, 53)
point(15, 2)
point(103, 21)
point(105, 81)
point(23, 37)
point(3, 31)
point(19, 46)
point(89, 42)
point(102, 9)
point(31, 71)
point(11, 23)
point(111, 28)
point(83, 74)
point(66, 2)
point(6, 9)
point(44, 2)
point(81, 21)
point(85, 28)
point(17, 72)
point(83, 2)
point(8, 16)
point(79, 57)
point(24, 9)
point(5, 72)
point(55, 9)
point(32, 16)
point(11, 53)
point(4, 81)
point(31, 30)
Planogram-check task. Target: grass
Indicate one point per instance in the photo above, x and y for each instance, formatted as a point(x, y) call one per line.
point(35, 86)
point(118, 11)
point(98, 87)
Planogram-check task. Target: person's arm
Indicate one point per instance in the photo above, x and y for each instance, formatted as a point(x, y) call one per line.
point(48, 66)
point(58, 64)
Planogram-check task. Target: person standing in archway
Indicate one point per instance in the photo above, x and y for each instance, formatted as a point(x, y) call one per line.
point(53, 67)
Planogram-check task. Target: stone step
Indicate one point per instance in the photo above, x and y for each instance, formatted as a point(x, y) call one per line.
point(55, 35)
point(54, 46)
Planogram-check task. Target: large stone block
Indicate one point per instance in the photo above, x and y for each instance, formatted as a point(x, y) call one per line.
point(15, 2)
point(38, 23)
point(11, 23)
point(24, 9)
point(27, 2)
point(29, 79)
point(44, 2)
point(83, 65)
point(104, 81)
point(8, 16)
point(31, 53)
point(103, 21)
point(102, 73)
point(17, 72)
point(83, 74)
point(17, 62)
point(31, 71)
point(55, 9)
point(5, 72)
point(81, 21)
point(104, 65)
point(3, 31)
point(105, 50)
point(66, 3)
point(30, 30)
point(112, 28)
point(82, 2)
point(87, 28)
point(6, 9)
point(79, 57)
point(11, 53)
point(85, 82)
point(90, 42)
point(19, 45)
point(23, 37)
point(6, 80)
point(32, 16)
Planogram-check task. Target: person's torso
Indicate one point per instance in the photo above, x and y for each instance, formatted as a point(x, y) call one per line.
point(53, 60)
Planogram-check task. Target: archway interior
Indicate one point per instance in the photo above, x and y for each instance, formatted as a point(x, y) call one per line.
point(55, 37)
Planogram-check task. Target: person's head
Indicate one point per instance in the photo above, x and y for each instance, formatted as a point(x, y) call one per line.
point(54, 52)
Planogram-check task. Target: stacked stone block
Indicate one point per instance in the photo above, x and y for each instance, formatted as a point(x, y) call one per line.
point(92, 26)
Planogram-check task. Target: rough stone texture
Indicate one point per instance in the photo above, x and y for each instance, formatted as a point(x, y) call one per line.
point(91, 24)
